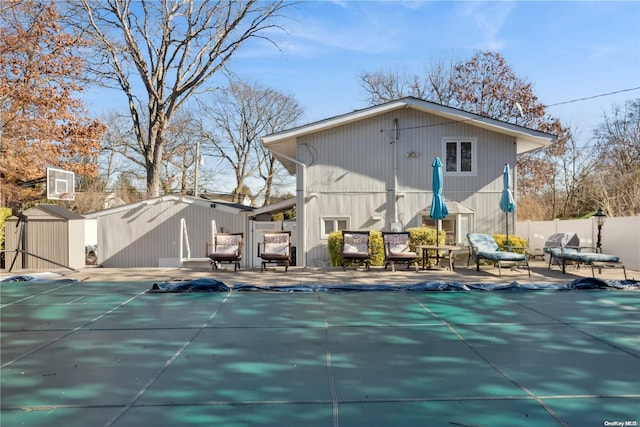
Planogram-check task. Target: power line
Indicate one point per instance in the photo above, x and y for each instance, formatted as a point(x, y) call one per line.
point(592, 97)
point(545, 106)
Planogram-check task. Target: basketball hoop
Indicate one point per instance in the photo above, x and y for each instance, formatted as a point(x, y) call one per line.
point(67, 196)
point(60, 184)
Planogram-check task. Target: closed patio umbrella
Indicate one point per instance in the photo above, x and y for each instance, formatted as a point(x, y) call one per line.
point(507, 203)
point(438, 207)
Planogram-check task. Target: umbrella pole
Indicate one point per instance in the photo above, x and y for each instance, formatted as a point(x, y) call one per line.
point(437, 244)
point(506, 215)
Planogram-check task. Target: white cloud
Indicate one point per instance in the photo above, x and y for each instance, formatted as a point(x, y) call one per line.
point(488, 19)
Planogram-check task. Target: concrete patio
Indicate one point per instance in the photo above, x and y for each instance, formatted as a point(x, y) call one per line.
point(540, 273)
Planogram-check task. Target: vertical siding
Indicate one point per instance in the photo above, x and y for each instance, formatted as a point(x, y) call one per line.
point(351, 168)
point(76, 230)
point(146, 234)
point(47, 239)
point(358, 208)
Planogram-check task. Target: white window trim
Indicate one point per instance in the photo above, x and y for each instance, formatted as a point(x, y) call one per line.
point(335, 219)
point(474, 156)
point(460, 235)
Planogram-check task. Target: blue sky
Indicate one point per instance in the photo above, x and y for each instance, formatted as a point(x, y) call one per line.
point(567, 50)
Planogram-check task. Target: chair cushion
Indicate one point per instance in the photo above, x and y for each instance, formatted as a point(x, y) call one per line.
point(355, 249)
point(406, 254)
point(356, 244)
point(502, 256)
point(595, 257)
point(226, 250)
point(573, 254)
point(396, 243)
point(276, 245)
point(483, 242)
point(557, 252)
point(227, 247)
point(276, 249)
point(224, 257)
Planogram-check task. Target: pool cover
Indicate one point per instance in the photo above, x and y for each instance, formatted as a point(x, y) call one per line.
point(115, 354)
point(212, 285)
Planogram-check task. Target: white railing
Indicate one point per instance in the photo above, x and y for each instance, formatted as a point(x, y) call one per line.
point(184, 240)
point(185, 247)
point(619, 236)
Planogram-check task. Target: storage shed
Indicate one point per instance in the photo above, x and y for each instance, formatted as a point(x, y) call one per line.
point(165, 231)
point(51, 236)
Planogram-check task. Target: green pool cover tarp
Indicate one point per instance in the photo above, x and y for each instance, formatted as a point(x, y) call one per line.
point(114, 354)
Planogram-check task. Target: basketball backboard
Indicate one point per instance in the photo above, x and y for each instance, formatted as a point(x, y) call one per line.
point(61, 184)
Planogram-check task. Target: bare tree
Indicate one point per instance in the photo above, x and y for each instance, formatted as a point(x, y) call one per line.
point(121, 152)
point(160, 53)
point(240, 116)
point(180, 153)
point(617, 185)
point(433, 84)
point(485, 85)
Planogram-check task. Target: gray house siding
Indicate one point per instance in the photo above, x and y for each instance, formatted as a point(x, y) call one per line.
point(351, 172)
point(378, 159)
point(149, 234)
point(357, 208)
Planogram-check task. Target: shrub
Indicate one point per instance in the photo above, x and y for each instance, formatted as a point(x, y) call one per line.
point(376, 248)
point(417, 236)
point(513, 241)
point(335, 248)
point(424, 236)
point(4, 214)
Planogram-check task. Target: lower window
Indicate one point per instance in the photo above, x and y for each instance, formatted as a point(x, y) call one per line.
point(330, 224)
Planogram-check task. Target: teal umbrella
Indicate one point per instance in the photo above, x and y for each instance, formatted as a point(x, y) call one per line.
point(438, 207)
point(507, 203)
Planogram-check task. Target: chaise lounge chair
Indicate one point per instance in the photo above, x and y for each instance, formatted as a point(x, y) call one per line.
point(276, 249)
point(484, 246)
point(396, 250)
point(574, 255)
point(355, 248)
point(226, 248)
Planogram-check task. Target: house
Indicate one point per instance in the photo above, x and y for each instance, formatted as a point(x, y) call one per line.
point(371, 170)
point(174, 230)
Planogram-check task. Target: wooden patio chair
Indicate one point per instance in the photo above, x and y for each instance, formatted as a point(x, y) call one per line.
point(276, 249)
point(397, 250)
point(355, 248)
point(226, 248)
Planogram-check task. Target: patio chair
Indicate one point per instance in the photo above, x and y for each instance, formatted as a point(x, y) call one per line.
point(396, 250)
point(483, 246)
point(226, 248)
point(574, 255)
point(355, 248)
point(276, 249)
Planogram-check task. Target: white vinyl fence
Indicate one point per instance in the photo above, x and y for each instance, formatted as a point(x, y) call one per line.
point(620, 236)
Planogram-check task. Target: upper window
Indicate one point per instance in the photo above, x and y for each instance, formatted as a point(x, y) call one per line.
point(460, 155)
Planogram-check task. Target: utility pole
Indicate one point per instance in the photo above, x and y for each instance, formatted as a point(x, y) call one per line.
point(197, 161)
